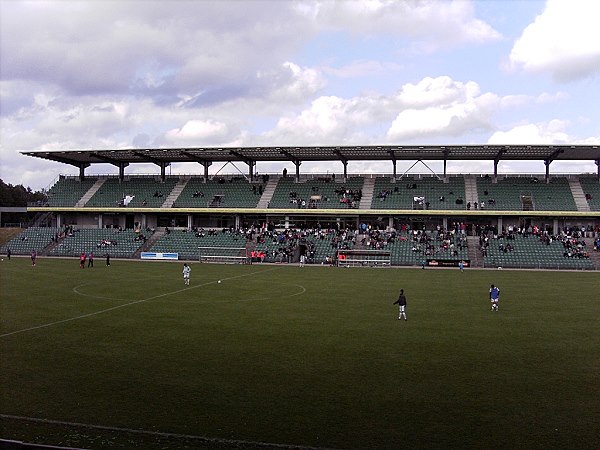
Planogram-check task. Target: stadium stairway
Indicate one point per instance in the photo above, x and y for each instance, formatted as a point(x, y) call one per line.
point(250, 245)
point(90, 193)
point(146, 246)
point(471, 195)
point(578, 195)
point(474, 253)
point(594, 255)
point(176, 192)
point(367, 193)
point(268, 192)
point(46, 251)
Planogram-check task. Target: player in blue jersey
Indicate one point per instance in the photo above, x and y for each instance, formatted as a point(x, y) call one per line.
point(494, 297)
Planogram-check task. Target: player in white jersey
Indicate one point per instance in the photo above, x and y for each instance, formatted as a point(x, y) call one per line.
point(186, 273)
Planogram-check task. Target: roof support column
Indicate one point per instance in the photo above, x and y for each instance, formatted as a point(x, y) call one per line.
point(297, 164)
point(122, 171)
point(344, 161)
point(547, 164)
point(394, 169)
point(82, 171)
point(598, 165)
point(251, 167)
point(163, 167)
point(206, 165)
point(445, 162)
point(495, 170)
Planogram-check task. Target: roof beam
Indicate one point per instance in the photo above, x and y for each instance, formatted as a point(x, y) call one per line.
point(196, 158)
point(292, 158)
point(106, 159)
point(554, 154)
point(71, 162)
point(247, 160)
point(499, 154)
point(341, 156)
point(152, 159)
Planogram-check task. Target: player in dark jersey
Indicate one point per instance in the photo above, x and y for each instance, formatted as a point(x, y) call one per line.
point(401, 302)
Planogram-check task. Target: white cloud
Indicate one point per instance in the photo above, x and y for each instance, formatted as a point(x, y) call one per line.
point(437, 24)
point(362, 68)
point(157, 49)
point(552, 132)
point(546, 97)
point(441, 106)
point(326, 121)
point(432, 107)
point(296, 83)
point(195, 131)
point(564, 41)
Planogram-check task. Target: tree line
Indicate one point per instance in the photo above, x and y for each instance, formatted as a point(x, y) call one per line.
point(18, 196)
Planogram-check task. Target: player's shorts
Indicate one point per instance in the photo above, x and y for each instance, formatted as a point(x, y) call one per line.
point(402, 308)
point(494, 300)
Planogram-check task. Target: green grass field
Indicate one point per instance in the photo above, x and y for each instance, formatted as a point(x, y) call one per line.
point(310, 356)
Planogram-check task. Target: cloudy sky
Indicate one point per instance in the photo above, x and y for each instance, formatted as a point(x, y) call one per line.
point(124, 74)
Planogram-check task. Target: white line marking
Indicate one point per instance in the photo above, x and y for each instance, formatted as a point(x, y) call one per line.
point(236, 442)
point(102, 311)
point(83, 294)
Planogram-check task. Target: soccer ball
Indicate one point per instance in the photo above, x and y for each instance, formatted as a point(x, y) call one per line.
point(219, 281)
point(499, 268)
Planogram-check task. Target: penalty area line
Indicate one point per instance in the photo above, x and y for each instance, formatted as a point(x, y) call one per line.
point(112, 308)
point(236, 442)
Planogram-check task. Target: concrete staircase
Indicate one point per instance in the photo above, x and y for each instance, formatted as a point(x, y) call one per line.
point(474, 254)
point(149, 243)
point(51, 246)
point(471, 194)
point(176, 192)
point(578, 195)
point(90, 193)
point(268, 192)
point(594, 255)
point(367, 193)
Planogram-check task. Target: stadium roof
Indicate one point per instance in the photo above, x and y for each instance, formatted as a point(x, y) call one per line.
point(250, 155)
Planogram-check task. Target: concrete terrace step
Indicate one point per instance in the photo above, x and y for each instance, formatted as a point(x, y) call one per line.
point(176, 192)
point(90, 193)
point(367, 193)
point(268, 192)
point(578, 195)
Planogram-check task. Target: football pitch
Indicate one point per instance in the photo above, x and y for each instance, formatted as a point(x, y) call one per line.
point(127, 356)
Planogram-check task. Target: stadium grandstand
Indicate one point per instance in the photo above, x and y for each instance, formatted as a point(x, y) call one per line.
point(549, 221)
